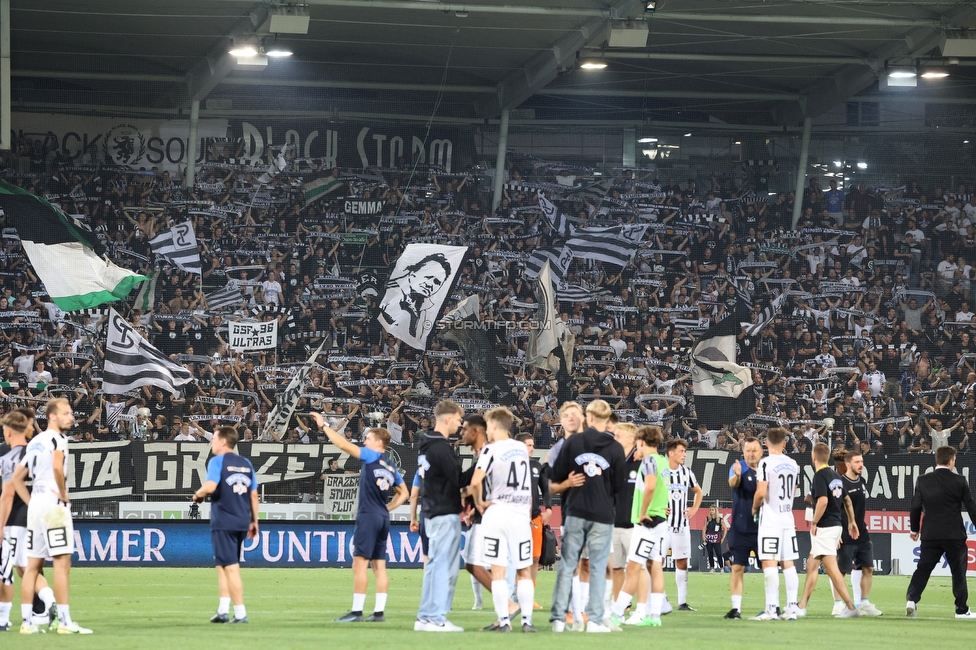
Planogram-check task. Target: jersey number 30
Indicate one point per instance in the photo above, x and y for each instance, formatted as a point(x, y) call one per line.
point(787, 486)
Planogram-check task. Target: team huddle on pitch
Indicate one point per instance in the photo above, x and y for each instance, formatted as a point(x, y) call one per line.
point(627, 502)
point(625, 508)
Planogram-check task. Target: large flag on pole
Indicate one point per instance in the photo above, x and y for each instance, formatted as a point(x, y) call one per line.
point(542, 338)
point(723, 389)
point(65, 255)
point(416, 290)
point(131, 361)
point(281, 414)
point(179, 245)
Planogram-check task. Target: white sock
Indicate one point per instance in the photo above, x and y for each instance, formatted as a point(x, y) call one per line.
point(737, 603)
point(476, 590)
point(499, 596)
point(64, 614)
point(771, 580)
point(584, 595)
point(47, 595)
point(641, 609)
point(5, 612)
point(223, 606)
point(27, 612)
point(681, 578)
point(358, 600)
point(240, 612)
point(655, 605)
point(380, 603)
point(576, 600)
point(833, 592)
point(792, 586)
point(620, 605)
point(856, 584)
point(526, 599)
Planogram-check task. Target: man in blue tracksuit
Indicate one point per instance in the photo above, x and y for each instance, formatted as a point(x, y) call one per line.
point(233, 487)
point(744, 531)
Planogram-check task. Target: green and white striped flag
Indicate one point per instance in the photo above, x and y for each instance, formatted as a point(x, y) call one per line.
point(64, 254)
point(146, 298)
point(318, 188)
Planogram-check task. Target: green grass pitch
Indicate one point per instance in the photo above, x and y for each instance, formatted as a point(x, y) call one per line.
point(294, 608)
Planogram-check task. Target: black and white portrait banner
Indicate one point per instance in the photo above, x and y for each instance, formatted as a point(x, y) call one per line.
point(415, 293)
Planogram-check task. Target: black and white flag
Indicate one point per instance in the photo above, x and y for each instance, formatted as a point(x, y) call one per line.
point(557, 221)
point(416, 290)
point(614, 245)
point(229, 296)
point(593, 194)
point(131, 362)
point(288, 400)
point(578, 293)
point(766, 316)
point(723, 389)
point(543, 337)
point(179, 245)
point(558, 258)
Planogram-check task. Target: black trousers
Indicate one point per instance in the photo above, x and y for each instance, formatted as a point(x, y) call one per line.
point(930, 555)
point(714, 554)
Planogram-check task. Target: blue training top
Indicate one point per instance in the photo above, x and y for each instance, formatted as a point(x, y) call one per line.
point(376, 479)
point(743, 521)
point(230, 507)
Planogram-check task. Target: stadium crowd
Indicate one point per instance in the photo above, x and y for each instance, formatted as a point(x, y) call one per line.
point(873, 349)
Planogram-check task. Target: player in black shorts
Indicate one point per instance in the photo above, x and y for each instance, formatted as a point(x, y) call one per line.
point(856, 556)
point(744, 530)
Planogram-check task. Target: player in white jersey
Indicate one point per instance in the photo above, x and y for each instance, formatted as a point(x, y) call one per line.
point(18, 426)
point(506, 515)
point(50, 532)
point(777, 477)
point(682, 482)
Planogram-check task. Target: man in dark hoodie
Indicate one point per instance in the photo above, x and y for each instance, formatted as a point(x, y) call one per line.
point(588, 511)
point(440, 500)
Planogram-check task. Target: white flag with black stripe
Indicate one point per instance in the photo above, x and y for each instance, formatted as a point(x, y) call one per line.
point(766, 316)
point(179, 245)
point(614, 245)
point(558, 221)
point(577, 293)
point(131, 362)
point(558, 258)
point(229, 296)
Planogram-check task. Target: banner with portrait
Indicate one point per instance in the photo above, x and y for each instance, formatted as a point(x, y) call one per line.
point(416, 291)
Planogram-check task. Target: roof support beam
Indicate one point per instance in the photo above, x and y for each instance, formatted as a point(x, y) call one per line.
point(402, 5)
point(850, 80)
point(670, 94)
point(674, 128)
point(795, 20)
point(211, 70)
point(729, 58)
point(543, 68)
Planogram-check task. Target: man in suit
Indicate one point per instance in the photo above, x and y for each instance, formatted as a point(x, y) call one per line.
point(942, 494)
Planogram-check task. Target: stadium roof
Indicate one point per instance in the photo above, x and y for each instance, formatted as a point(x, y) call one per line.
point(737, 61)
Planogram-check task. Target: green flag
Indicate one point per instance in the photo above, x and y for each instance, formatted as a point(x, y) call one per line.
point(63, 253)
